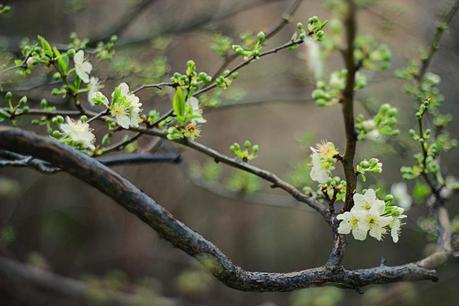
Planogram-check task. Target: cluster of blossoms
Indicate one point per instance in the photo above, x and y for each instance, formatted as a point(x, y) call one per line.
point(122, 110)
point(369, 215)
point(125, 107)
point(372, 216)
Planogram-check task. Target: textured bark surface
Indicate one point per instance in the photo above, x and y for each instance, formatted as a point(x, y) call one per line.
point(144, 207)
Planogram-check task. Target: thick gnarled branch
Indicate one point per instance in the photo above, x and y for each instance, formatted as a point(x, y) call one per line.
point(184, 238)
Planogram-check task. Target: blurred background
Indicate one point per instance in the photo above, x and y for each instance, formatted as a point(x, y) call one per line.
point(62, 226)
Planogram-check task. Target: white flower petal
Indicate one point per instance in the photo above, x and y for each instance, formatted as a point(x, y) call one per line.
point(359, 234)
point(123, 121)
point(78, 58)
point(124, 89)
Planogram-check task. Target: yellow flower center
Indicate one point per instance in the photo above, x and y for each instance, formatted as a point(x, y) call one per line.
point(354, 222)
point(372, 220)
point(118, 110)
point(192, 130)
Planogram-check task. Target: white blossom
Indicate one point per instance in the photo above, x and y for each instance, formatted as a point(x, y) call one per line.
point(82, 67)
point(196, 110)
point(79, 133)
point(125, 107)
point(350, 222)
point(314, 59)
point(318, 173)
point(368, 201)
point(93, 88)
point(400, 192)
point(375, 223)
point(323, 161)
point(369, 215)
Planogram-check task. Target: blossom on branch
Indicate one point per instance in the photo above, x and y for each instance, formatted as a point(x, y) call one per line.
point(78, 133)
point(372, 216)
point(323, 162)
point(125, 107)
point(82, 67)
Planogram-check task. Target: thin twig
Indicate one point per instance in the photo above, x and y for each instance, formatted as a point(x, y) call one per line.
point(286, 16)
point(441, 28)
point(157, 86)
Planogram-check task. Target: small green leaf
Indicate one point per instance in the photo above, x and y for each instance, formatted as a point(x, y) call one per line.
point(62, 60)
point(44, 44)
point(179, 103)
point(3, 115)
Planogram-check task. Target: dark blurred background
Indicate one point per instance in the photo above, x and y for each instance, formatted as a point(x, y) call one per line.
point(61, 225)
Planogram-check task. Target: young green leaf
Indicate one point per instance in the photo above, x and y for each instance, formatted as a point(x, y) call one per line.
point(179, 103)
point(44, 44)
point(62, 60)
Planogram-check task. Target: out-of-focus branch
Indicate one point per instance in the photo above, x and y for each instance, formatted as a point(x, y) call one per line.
point(300, 97)
point(250, 60)
point(171, 26)
point(165, 27)
point(441, 28)
point(286, 16)
point(259, 197)
point(123, 23)
point(444, 248)
point(266, 175)
point(23, 274)
point(184, 238)
point(11, 159)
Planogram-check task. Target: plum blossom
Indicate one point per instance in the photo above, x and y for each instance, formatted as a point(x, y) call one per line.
point(196, 110)
point(323, 162)
point(125, 107)
point(368, 201)
point(79, 133)
point(94, 87)
point(371, 216)
point(82, 67)
point(350, 222)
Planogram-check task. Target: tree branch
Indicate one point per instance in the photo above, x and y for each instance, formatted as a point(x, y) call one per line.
point(12, 159)
point(286, 16)
point(135, 201)
point(20, 273)
point(348, 104)
point(441, 28)
point(266, 175)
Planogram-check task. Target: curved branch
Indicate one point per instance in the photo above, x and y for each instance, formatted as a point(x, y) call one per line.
point(264, 174)
point(21, 273)
point(184, 238)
